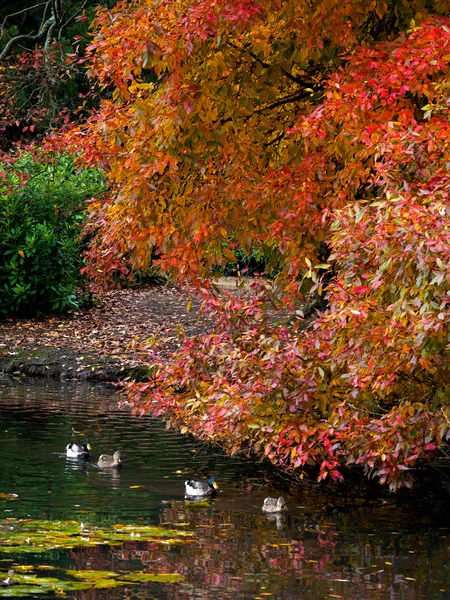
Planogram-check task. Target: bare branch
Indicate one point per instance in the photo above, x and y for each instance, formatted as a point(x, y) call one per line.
point(48, 41)
point(43, 31)
point(59, 20)
point(49, 36)
point(67, 9)
point(46, 9)
point(55, 10)
point(70, 19)
point(20, 12)
point(59, 10)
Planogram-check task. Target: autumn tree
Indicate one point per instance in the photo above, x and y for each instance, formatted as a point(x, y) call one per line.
point(319, 134)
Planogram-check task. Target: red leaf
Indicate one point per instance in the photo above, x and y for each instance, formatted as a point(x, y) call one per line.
point(361, 289)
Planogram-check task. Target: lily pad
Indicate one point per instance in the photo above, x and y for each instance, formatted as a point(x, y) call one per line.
point(32, 536)
point(111, 579)
point(23, 585)
point(26, 535)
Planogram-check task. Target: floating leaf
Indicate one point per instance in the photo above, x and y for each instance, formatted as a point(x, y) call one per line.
point(8, 496)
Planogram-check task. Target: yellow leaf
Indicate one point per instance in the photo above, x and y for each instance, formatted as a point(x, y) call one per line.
point(21, 252)
point(229, 254)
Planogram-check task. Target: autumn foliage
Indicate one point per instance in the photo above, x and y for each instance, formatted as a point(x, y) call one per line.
point(318, 133)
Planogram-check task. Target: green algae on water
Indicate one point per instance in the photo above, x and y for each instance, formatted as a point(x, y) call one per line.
point(20, 536)
point(27, 535)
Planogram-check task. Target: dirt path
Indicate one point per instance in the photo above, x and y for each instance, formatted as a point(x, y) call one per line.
point(113, 332)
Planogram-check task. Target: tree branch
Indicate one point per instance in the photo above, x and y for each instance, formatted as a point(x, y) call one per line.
point(282, 101)
point(20, 12)
point(43, 32)
point(70, 19)
point(64, 14)
point(59, 20)
point(55, 10)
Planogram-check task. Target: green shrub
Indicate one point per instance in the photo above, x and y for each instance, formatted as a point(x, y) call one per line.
point(257, 261)
point(42, 214)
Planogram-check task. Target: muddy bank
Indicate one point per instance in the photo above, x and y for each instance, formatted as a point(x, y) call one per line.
point(65, 364)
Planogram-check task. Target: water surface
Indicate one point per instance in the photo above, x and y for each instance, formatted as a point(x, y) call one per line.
point(334, 543)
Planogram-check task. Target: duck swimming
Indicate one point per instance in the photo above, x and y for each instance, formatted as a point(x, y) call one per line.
point(200, 489)
point(106, 460)
point(274, 505)
point(76, 451)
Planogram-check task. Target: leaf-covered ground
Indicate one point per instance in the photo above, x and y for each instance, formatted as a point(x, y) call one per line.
point(114, 332)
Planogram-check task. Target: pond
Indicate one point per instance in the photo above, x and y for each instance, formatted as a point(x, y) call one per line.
point(70, 529)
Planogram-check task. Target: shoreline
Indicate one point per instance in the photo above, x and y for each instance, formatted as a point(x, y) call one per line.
point(66, 365)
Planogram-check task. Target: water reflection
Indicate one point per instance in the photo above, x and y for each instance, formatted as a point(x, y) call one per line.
point(76, 464)
point(109, 477)
point(333, 543)
point(279, 520)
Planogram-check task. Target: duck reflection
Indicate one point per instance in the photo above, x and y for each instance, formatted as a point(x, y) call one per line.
point(74, 464)
point(279, 519)
point(189, 512)
point(112, 476)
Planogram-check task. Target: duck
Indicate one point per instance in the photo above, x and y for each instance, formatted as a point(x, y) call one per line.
point(274, 505)
point(76, 451)
point(200, 489)
point(106, 460)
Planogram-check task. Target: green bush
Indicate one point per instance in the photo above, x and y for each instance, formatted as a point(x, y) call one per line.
point(42, 214)
point(257, 261)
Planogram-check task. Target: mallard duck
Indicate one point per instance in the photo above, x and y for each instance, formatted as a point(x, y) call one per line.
point(106, 460)
point(274, 505)
point(199, 489)
point(76, 451)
